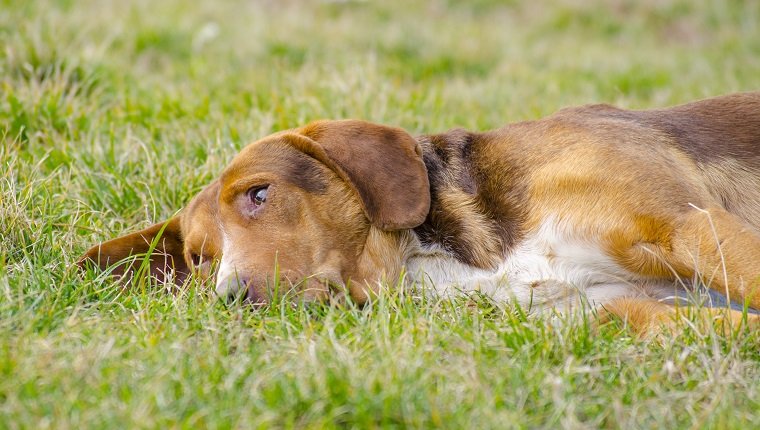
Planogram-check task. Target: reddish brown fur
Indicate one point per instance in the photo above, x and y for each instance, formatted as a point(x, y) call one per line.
point(670, 193)
point(326, 234)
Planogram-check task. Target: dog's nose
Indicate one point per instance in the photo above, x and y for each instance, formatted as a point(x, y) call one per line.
point(231, 287)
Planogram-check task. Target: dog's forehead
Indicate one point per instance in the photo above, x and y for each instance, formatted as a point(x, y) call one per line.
point(276, 156)
point(256, 156)
point(258, 149)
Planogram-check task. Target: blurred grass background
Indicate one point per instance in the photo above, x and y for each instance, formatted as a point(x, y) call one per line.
point(114, 113)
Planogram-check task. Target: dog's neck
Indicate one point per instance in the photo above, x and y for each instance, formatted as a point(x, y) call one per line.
point(462, 221)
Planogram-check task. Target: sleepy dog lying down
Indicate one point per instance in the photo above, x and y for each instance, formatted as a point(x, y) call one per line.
point(629, 210)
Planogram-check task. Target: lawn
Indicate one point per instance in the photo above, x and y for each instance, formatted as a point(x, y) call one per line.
point(113, 114)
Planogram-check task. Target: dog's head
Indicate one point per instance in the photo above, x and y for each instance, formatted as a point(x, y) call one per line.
point(187, 243)
point(301, 211)
point(318, 207)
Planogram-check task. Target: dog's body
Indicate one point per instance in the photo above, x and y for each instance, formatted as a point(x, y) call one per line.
point(624, 208)
point(592, 198)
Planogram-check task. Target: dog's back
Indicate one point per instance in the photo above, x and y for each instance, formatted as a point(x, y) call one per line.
point(720, 135)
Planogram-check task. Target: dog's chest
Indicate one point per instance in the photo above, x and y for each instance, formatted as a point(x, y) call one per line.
point(551, 264)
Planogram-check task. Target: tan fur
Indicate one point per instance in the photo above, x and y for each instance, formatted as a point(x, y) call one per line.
point(649, 317)
point(664, 196)
point(736, 186)
point(323, 233)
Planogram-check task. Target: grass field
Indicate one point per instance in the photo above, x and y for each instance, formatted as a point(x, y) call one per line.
point(114, 113)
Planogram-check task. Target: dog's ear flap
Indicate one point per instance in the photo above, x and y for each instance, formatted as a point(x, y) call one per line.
point(383, 164)
point(164, 243)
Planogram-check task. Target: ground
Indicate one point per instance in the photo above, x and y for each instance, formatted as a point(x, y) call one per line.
point(114, 113)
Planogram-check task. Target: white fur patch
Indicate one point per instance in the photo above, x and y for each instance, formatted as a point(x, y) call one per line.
point(553, 266)
point(226, 270)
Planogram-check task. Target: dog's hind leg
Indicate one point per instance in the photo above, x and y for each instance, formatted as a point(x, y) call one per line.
point(721, 251)
point(650, 317)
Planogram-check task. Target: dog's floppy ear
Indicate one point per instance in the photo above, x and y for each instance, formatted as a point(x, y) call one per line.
point(164, 243)
point(383, 164)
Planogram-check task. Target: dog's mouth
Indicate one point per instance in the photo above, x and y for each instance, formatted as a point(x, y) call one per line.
point(263, 290)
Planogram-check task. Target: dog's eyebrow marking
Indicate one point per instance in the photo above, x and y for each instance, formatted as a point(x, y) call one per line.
point(288, 163)
point(303, 172)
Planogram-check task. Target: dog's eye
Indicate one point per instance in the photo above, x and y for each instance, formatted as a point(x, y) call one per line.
point(258, 196)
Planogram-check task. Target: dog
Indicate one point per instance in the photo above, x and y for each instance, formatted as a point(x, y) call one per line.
point(629, 211)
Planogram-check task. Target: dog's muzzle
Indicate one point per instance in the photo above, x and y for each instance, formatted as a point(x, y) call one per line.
point(230, 287)
point(234, 287)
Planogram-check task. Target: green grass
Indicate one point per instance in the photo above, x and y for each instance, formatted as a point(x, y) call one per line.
point(113, 114)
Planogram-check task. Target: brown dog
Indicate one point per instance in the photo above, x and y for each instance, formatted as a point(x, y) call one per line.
point(627, 209)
